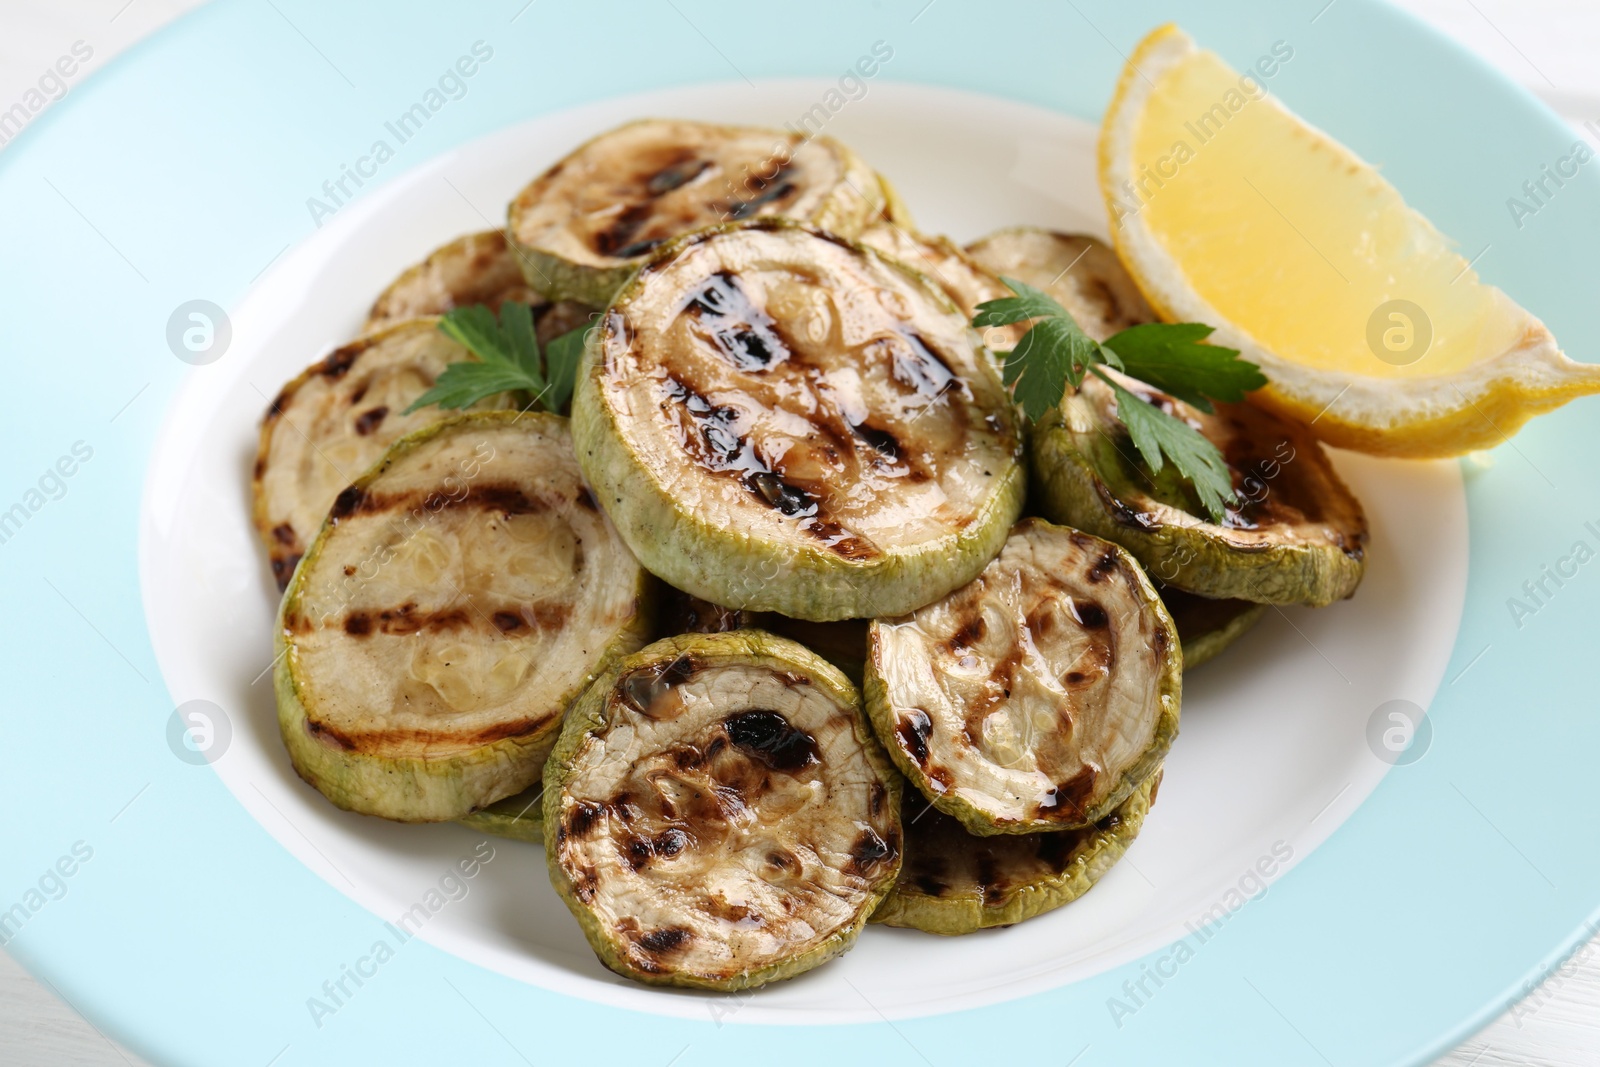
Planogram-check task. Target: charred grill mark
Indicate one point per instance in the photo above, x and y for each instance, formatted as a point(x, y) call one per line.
point(770, 192)
point(584, 884)
point(877, 797)
point(586, 499)
point(507, 499)
point(406, 620)
point(388, 739)
point(347, 503)
point(881, 441)
point(968, 634)
point(1066, 800)
point(1103, 567)
point(260, 468)
point(582, 818)
point(771, 740)
point(713, 441)
point(1089, 614)
point(283, 569)
point(918, 367)
point(931, 886)
point(280, 403)
point(327, 736)
point(788, 500)
point(744, 333)
point(868, 851)
point(284, 534)
point(660, 942)
point(370, 419)
point(1121, 511)
point(912, 728)
point(338, 364)
point(675, 175)
point(616, 240)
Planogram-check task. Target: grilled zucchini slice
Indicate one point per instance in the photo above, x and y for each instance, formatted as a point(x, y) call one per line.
point(722, 815)
point(460, 595)
point(337, 419)
point(780, 420)
point(480, 268)
point(1207, 626)
point(1036, 698)
point(586, 224)
point(1082, 273)
point(519, 817)
point(955, 883)
point(1298, 535)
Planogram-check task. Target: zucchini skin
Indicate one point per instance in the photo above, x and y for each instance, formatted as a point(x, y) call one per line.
point(680, 546)
point(414, 789)
point(510, 818)
point(589, 715)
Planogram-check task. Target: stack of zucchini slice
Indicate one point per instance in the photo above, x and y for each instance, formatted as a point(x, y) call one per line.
point(760, 644)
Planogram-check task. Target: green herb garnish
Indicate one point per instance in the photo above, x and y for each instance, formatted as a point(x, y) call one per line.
point(509, 360)
point(1056, 353)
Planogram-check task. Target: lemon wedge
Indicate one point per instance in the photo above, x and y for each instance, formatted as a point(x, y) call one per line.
point(1228, 209)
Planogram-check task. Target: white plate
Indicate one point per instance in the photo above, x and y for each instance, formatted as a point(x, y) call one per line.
point(1272, 757)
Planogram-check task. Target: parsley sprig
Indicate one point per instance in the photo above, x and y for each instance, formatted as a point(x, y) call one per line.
point(509, 360)
point(1056, 353)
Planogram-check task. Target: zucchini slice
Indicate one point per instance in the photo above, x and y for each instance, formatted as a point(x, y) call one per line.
point(960, 278)
point(480, 268)
point(722, 815)
point(335, 420)
point(460, 595)
point(519, 817)
point(780, 420)
point(586, 224)
point(1298, 535)
point(1082, 273)
point(955, 883)
point(1036, 698)
point(1207, 626)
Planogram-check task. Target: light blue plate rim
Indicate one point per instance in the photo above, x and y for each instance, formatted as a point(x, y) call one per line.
point(188, 933)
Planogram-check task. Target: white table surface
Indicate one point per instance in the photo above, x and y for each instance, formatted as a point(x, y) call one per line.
point(1548, 45)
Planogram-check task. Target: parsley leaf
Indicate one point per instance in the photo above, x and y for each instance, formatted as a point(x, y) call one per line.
point(509, 360)
point(1056, 353)
point(1173, 358)
point(1156, 434)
